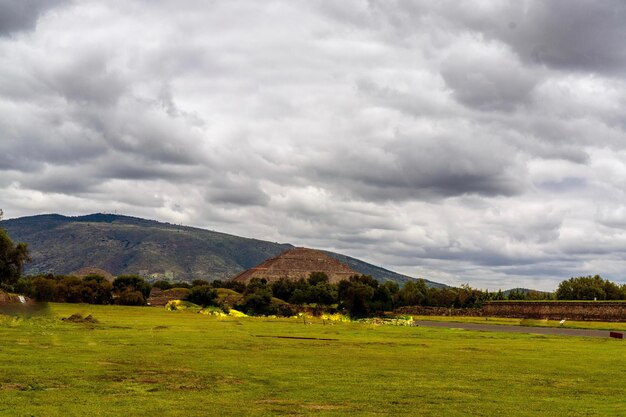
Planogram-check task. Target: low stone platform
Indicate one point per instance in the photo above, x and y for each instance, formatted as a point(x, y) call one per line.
point(558, 310)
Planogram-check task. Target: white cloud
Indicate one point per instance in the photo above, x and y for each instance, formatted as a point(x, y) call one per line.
point(481, 144)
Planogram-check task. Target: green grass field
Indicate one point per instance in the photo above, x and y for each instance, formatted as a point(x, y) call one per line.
point(147, 361)
point(569, 324)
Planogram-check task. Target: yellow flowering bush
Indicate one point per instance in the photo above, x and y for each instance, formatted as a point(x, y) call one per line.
point(176, 305)
point(236, 313)
point(335, 317)
point(398, 321)
point(213, 311)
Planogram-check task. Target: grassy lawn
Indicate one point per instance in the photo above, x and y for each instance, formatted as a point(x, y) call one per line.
point(570, 324)
point(148, 361)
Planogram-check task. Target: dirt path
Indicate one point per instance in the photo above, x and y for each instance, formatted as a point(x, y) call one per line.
point(516, 329)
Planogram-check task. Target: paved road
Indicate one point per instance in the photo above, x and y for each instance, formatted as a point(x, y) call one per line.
point(516, 329)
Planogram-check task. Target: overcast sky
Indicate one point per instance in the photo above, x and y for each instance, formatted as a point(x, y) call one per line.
point(474, 142)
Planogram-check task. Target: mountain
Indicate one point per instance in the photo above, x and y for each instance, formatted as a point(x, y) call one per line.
point(123, 244)
point(381, 274)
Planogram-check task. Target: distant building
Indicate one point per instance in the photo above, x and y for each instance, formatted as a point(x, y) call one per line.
point(167, 276)
point(298, 263)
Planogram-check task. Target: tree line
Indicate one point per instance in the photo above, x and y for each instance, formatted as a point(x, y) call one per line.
point(93, 289)
point(363, 295)
point(590, 288)
point(359, 296)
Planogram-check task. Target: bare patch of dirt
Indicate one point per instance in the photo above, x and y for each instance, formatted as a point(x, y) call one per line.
point(13, 387)
point(320, 407)
point(229, 381)
point(78, 318)
point(273, 401)
point(112, 363)
point(296, 337)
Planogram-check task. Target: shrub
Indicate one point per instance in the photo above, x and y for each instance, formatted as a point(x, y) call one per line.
point(240, 287)
point(317, 277)
point(131, 297)
point(133, 282)
point(257, 299)
point(589, 288)
point(257, 304)
point(180, 284)
point(162, 285)
point(97, 290)
point(285, 310)
point(43, 289)
point(203, 295)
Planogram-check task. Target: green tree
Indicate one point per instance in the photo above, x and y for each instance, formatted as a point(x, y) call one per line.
point(180, 284)
point(441, 297)
point(356, 295)
point(283, 289)
point(130, 297)
point(468, 297)
point(517, 294)
point(12, 258)
point(98, 289)
point(589, 288)
point(257, 300)
point(44, 288)
point(365, 279)
point(413, 293)
point(235, 286)
point(499, 296)
point(129, 288)
point(203, 295)
point(321, 293)
point(299, 296)
point(162, 285)
point(24, 286)
point(357, 299)
point(382, 300)
point(257, 303)
point(217, 283)
point(317, 277)
point(199, 282)
point(70, 290)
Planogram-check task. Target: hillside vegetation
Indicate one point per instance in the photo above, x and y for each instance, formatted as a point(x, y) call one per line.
point(129, 245)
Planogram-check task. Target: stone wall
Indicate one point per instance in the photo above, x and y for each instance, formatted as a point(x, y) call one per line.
point(438, 311)
point(553, 310)
point(571, 310)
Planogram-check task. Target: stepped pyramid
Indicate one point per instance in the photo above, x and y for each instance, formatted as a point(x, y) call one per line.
point(298, 263)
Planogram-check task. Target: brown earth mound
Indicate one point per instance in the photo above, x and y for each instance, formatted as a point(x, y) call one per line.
point(78, 318)
point(298, 263)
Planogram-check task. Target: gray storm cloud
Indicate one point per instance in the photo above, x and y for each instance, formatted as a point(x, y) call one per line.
point(481, 143)
point(22, 15)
